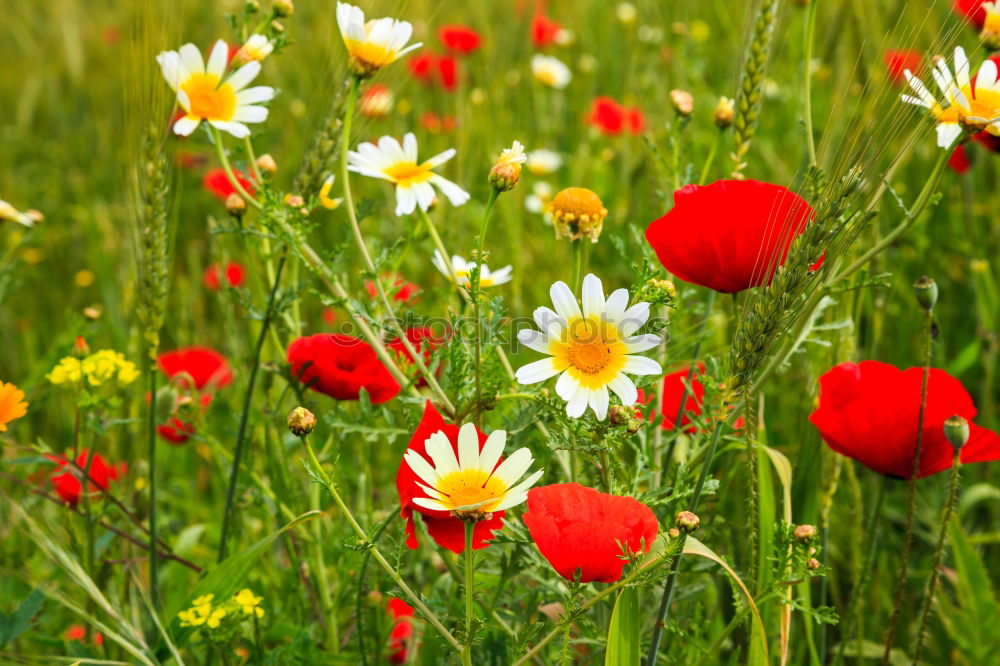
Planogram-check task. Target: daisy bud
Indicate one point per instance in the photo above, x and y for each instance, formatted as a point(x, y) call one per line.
point(673, 533)
point(956, 431)
point(657, 292)
point(991, 25)
point(805, 533)
point(256, 48)
point(236, 205)
point(301, 421)
point(724, 112)
point(92, 312)
point(277, 26)
point(283, 8)
point(294, 200)
point(628, 417)
point(926, 291)
point(267, 164)
point(687, 522)
point(577, 212)
point(812, 564)
point(507, 169)
point(682, 102)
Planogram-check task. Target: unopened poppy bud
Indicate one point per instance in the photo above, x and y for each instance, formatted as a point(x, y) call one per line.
point(301, 421)
point(507, 169)
point(926, 291)
point(682, 102)
point(687, 522)
point(657, 292)
point(294, 200)
point(236, 205)
point(374, 597)
point(283, 8)
point(812, 564)
point(576, 213)
point(80, 348)
point(805, 533)
point(267, 164)
point(956, 431)
point(724, 112)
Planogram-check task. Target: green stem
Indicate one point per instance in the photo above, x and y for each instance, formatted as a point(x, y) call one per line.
point(245, 415)
point(949, 507)
point(577, 265)
point(227, 167)
point(912, 492)
point(807, 79)
point(470, 591)
point(668, 589)
point(151, 435)
point(474, 281)
point(252, 159)
point(376, 553)
point(705, 170)
point(359, 608)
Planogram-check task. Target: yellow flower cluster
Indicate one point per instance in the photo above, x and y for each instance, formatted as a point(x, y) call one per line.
point(97, 369)
point(204, 612)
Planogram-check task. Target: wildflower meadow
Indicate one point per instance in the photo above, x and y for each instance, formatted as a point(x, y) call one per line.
point(499, 332)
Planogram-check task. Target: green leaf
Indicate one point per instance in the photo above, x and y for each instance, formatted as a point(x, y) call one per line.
point(874, 650)
point(975, 597)
point(623, 632)
point(225, 578)
point(19, 621)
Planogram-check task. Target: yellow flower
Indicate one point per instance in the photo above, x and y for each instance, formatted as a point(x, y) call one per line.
point(215, 619)
point(249, 602)
point(190, 618)
point(106, 365)
point(324, 194)
point(12, 405)
point(67, 371)
point(204, 599)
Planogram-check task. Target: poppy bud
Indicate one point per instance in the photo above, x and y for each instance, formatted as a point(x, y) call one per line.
point(926, 291)
point(301, 422)
point(374, 597)
point(805, 533)
point(682, 101)
point(267, 164)
point(283, 8)
point(724, 112)
point(687, 522)
point(657, 292)
point(80, 348)
point(812, 564)
point(236, 205)
point(956, 431)
point(578, 212)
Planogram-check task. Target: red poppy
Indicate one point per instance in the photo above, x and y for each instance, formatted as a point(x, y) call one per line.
point(401, 291)
point(425, 341)
point(329, 316)
point(217, 182)
point(183, 158)
point(78, 632)
point(897, 61)
point(991, 142)
point(607, 115)
point(401, 634)
point(869, 411)
point(447, 532)
point(447, 68)
point(340, 366)
point(204, 366)
point(175, 431)
point(580, 530)
point(432, 69)
point(436, 124)
point(544, 31)
point(730, 235)
point(672, 388)
point(234, 275)
point(959, 160)
point(636, 121)
point(376, 101)
point(459, 38)
point(972, 11)
point(68, 483)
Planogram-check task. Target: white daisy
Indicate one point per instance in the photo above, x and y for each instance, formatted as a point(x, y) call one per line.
point(375, 43)
point(590, 348)
point(550, 71)
point(538, 200)
point(204, 95)
point(473, 484)
point(398, 164)
point(966, 107)
point(8, 212)
point(257, 48)
point(513, 155)
point(543, 162)
point(463, 269)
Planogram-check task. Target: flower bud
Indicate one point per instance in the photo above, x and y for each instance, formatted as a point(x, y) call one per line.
point(236, 205)
point(294, 200)
point(283, 8)
point(687, 522)
point(657, 292)
point(629, 417)
point(507, 169)
point(576, 213)
point(251, 6)
point(956, 431)
point(682, 102)
point(373, 598)
point(812, 564)
point(673, 533)
point(805, 533)
point(724, 112)
point(301, 421)
point(267, 164)
point(926, 291)
point(377, 101)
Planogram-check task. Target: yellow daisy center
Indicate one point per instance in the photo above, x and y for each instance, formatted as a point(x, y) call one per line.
point(369, 54)
point(207, 99)
point(472, 487)
point(592, 352)
point(408, 173)
point(547, 76)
